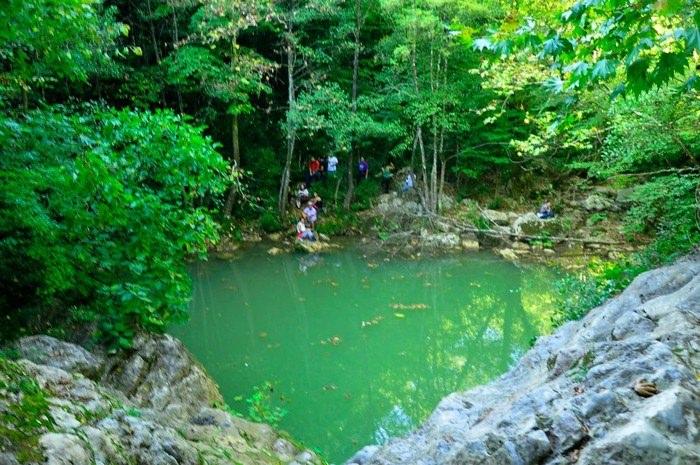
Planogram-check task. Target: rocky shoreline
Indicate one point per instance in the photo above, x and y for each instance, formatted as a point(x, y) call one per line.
point(152, 405)
point(587, 225)
point(618, 387)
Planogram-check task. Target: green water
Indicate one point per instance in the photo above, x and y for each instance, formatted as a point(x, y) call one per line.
point(430, 327)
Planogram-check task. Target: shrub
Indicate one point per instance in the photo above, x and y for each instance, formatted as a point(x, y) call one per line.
point(98, 212)
point(269, 222)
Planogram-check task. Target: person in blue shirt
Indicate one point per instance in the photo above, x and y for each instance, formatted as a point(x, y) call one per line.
point(363, 168)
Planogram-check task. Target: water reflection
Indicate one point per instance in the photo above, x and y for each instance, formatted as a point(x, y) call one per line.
point(359, 351)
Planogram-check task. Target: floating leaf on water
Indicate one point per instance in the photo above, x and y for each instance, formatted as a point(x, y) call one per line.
point(409, 306)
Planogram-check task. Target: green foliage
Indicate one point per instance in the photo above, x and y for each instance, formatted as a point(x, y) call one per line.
point(338, 224)
point(365, 192)
point(261, 408)
point(596, 218)
point(24, 412)
point(269, 222)
point(99, 210)
point(579, 293)
point(648, 42)
point(45, 42)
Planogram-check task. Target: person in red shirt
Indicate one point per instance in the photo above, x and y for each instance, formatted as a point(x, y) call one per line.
point(314, 169)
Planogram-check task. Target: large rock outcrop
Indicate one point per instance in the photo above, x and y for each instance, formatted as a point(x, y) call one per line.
point(618, 387)
point(151, 406)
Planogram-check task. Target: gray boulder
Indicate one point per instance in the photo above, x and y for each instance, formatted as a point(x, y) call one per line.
point(575, 397)
point(153, 406)
point(46, 350)
point(597, 202)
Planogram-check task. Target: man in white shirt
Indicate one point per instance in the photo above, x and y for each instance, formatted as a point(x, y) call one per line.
point(332, 165)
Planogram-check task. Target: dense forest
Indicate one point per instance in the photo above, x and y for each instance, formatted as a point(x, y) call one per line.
point(133, 134)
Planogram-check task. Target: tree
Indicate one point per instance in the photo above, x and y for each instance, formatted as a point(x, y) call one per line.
point(640, 44)
point(44, 42)
point(214, 62)
point(100, 209)
point(294, 16)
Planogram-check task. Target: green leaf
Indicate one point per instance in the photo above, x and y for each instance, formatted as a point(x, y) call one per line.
point(618, 91)
point(692, 38)
point(604, 68)
point(482, 44)
point(669, 65)
point(638, 76)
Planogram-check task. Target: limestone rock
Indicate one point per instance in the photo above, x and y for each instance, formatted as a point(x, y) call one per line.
point(64, 449)
point(570, 399)
point(159, 373)
point(45, 350)
point(313, 246)
point(274, 251)
point(498, 217)
point(395, 205)
point(469, 243)
point(597, 202)
point(440, 241)
point(508, 254)
point(153, 405)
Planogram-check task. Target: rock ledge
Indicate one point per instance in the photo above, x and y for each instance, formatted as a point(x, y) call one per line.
point(575, 397)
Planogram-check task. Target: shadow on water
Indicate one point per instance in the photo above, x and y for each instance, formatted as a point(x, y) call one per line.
point(357, 349)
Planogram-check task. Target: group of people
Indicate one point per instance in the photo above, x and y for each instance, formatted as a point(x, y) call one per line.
point(319, 167)
point(308, 217)
point(311, 205)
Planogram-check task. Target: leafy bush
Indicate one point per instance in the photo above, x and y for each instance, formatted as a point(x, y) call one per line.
point(98, 212)
point(579, 293)
point(338, 224)
point(365, 192)
point(269, 222)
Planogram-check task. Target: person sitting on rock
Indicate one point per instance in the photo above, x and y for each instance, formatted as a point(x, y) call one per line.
point(310, 214)
point(302, 195)
point(545, 211)
point(303, 233)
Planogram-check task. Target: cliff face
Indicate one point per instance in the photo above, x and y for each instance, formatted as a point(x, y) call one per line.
point(152, 406)
point(618, 387)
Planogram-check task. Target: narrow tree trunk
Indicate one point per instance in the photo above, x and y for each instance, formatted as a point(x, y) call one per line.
point(350, 193)
point(156, 50)
point(425, 197)
point(176, 39)
point(231, 197)
point(291, 131)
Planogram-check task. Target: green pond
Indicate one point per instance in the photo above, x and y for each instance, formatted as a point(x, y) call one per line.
point(358, 349)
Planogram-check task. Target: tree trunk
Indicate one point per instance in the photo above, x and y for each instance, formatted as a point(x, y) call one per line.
point(291, 131)
point(350, 193)
point(425, 196)
point(231, 197)
point(176, 39)
point(156, 50)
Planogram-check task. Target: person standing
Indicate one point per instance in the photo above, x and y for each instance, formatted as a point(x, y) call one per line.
point(386, 175)
point(363, 169)
point(332, 165)
point(407, 183)
point(314, 168)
